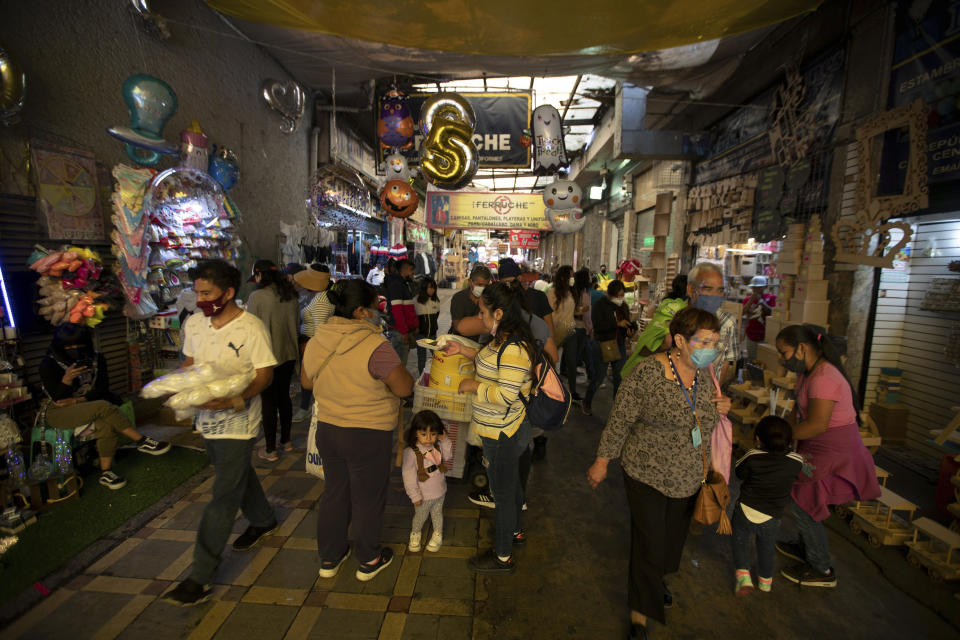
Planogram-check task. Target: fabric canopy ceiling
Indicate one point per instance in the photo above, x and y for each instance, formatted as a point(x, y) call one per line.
point(512, 28)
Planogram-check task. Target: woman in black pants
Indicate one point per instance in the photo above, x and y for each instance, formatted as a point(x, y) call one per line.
point(660, 428)
point(275, 303)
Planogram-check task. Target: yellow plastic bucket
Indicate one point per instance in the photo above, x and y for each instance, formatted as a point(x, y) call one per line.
point(447, 371)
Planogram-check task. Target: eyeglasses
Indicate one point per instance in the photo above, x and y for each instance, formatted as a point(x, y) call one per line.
point(708, 343)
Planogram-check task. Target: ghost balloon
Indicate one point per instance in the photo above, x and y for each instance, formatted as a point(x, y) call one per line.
point(397, 168)
point(549, 152)
point(561, 195)
point(566, 221)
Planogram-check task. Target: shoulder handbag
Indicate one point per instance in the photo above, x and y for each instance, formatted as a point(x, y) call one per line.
point(721, 440)
point(714, 496)
point(712, 501)
point(609, 350)
point(314, 464)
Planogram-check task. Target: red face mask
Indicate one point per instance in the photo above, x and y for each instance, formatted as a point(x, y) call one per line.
point(212, 308)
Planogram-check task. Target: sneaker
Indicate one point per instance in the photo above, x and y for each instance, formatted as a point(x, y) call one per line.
point(153, 447)
point(112, 481)
point(330, 568)
point(436, 541)
point(519, 538)
point(414, 544)
point(300, 415)
point(488, 562)
point(793, 550)
point(586, 409)
point(482, 498)
point(369, 571)
point(744, 584)
point(806, 576)
point(269, 456)
point(287, 447)
point(249, 538)
point(764, 584)
point(188, 593)
point(524, 507)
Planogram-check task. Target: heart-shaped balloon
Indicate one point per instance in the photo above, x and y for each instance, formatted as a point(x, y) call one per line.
point(287, 99)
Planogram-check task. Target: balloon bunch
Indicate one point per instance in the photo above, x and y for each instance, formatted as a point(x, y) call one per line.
point(70, 286)
point(448, 155)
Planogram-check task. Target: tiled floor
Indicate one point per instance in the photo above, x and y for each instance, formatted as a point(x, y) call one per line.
point(273, 590)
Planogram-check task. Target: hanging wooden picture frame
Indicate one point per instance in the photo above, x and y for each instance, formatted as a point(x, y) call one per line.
point(866, 238)
point(915, 192)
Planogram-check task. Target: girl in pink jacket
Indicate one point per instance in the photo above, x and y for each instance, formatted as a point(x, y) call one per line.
point(426, 458)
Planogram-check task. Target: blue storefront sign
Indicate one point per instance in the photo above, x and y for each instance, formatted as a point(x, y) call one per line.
point(926, 64)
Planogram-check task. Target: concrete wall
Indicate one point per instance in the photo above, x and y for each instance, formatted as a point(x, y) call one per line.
point(76, 56)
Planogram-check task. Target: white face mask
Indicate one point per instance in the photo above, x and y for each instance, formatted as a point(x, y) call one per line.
point(618, 301)
point(571, 282)
point(477, 291)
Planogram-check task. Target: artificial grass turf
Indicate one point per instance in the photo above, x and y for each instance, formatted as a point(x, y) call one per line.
point(65, 530)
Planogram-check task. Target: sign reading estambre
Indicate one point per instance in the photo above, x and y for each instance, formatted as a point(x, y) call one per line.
point(485, 210)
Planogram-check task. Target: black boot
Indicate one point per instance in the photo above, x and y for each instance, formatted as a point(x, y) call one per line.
point(540, 447)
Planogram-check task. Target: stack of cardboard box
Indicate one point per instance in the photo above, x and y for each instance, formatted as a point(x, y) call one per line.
point(809, 304)
point(788, 262)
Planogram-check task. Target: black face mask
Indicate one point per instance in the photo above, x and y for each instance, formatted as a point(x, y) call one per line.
point(795, 363)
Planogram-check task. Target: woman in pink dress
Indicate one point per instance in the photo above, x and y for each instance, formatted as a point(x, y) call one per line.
point(838, 467)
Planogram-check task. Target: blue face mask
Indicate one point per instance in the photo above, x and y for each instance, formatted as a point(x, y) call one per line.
point(703, 357)
point(708, 303)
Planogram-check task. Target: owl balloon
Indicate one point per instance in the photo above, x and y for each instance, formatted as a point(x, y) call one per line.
point(562, 195)
point(395, 125)
point(549, 152)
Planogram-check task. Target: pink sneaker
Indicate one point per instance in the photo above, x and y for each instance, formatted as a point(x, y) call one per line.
point(269, 456)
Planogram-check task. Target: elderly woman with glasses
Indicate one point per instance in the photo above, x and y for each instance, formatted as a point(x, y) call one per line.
point(705, 290)
point(660, 428)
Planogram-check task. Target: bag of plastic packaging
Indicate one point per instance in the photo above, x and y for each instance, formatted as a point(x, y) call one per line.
point(194, 376)
point(231, 386)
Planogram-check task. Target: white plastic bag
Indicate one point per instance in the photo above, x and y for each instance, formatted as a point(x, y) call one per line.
point(314, 463)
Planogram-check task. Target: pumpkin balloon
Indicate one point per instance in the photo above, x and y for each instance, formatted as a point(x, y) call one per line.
point(399, 199)
point(395, 125)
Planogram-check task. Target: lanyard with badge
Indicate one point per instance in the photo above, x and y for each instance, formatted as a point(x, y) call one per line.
point(695, 433)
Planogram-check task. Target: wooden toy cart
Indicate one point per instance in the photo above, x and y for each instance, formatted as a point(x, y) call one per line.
point(938, 550)
point(879, 519)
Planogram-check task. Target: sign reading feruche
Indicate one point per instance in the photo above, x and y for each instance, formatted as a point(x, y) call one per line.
point(485, 210)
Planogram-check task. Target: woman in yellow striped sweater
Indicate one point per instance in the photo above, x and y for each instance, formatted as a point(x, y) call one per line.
point(499, 417)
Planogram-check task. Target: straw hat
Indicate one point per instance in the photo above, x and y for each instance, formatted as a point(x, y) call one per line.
point(312, 279)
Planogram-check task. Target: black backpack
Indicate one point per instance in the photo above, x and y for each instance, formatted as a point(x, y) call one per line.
point(548, 404)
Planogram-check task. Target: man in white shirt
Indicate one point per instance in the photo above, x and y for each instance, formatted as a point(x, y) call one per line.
point(236, 341)
point(375, 276)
